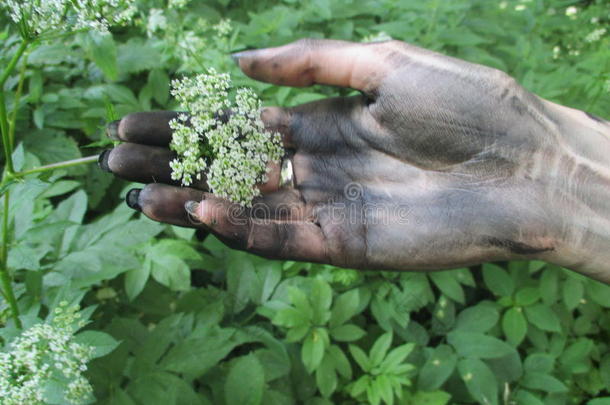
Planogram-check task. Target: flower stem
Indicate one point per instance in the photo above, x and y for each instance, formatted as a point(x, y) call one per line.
point(4, 125)
point(5, 278)
point(11, 64)
point(13, 120)
point(59, 165)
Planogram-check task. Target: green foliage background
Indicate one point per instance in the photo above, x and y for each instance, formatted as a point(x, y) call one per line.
point(198, 323)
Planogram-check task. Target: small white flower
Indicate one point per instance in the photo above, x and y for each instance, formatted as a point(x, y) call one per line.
point(156, 21)
point(571, 12)
point(595, 35)
point(42, 352)
point(223, 28)
point(41, 16)
point(177, 4)
point(223, 136)
point(520, 7)
point(556, 52)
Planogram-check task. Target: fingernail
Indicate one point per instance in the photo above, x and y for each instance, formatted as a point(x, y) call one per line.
point(112, 130)
point(191, 207)
point(102, 160)
point(238, 55)
point(132, 199)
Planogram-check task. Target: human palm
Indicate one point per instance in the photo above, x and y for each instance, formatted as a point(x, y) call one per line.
point(437, 164)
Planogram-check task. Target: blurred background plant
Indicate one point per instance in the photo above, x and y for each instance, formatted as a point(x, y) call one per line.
point(175, 317)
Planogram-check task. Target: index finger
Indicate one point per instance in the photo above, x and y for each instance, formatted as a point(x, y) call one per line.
point(360, 66)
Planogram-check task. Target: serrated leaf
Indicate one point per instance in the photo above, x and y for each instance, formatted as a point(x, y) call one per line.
point(102, 51)
point(102, 342)
point(344, 308)
point(321, 299)
point(361, 358)
point(380, 348)
point(136, 279)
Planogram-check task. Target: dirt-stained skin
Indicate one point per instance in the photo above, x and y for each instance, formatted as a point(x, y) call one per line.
point(439, 163)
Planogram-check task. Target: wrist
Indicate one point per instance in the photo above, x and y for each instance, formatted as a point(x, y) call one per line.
point(580, 192)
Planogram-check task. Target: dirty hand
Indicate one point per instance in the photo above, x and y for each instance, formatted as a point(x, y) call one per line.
point(438, 163)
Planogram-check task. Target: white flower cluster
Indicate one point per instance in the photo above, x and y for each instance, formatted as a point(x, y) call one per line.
point(43, 353)
point(595, 35)
point(234, 151)
point(41, 16)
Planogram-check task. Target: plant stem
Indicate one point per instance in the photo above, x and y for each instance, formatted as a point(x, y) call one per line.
point(11, 65)
point(7, 288)
point(59, 165)
point(6, 145)
point(4, 126)
point(13, 121)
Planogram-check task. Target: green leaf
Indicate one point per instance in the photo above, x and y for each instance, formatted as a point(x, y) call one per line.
point(524, 397)
point(159, 83)
point(300, 302)
point(479, 318)
point(326, 377)
point(385, 389)
point(347, 333)
point(136, 279)
point(137, 55)
point(480, 381)
point(478, 345)
point(102, 51)
point(102, 342)
point(604, 371)
point(527, 296)
point(344, 308)
point(341, 363)
point(245, 382)
point(321, 299)
point(514, 325)
point(573, 292)
point(242, 280)
point(497, 280)
point(543, 382)
point(430, 398)
point(539, 362)
point(447, 282)
point(313, 349)
point(599, 401)
point(575, 358)
point(599, 293)
point(549, 284)
point(361, 358)
point(201, 351)
point(380, 348)
point(437, 369)
point(170, 271)
point(543, 317)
